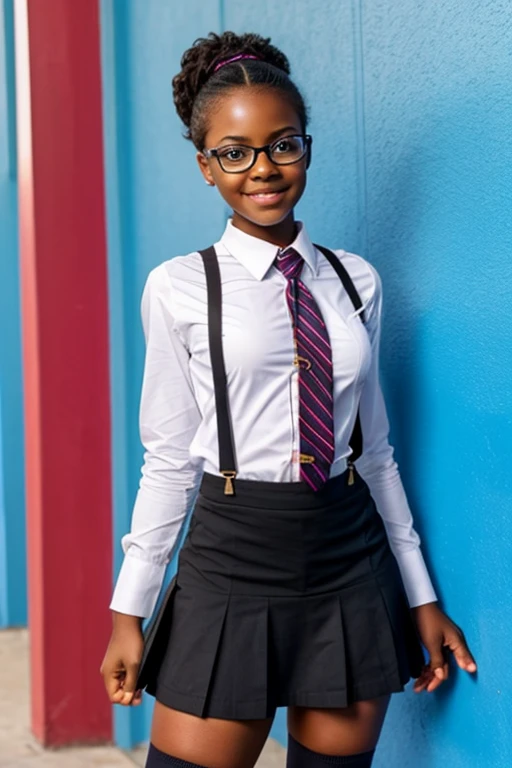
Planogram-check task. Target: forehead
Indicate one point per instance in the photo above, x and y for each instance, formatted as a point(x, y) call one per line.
point(252, 113)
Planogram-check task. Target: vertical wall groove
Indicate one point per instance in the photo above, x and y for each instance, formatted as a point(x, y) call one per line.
point(360, 132)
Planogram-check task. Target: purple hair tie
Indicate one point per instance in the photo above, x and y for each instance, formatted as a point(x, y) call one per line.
point(239, 57)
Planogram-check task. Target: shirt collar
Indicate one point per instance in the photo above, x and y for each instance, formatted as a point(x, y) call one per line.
point(257, 255)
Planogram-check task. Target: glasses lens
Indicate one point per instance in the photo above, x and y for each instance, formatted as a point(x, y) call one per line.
point(288, 150)
point(234, 159)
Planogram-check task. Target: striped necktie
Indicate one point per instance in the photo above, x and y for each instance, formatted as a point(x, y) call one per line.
point(314, 360)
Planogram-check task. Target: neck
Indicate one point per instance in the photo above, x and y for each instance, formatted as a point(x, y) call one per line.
point(281, 234)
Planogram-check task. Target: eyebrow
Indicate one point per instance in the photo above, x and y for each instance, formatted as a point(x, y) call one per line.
point(272, 136)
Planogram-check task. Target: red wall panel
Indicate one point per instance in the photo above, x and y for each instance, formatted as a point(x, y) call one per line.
point(65, 341)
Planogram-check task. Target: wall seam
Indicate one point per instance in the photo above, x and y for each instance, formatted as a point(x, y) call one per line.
point(360, 125)
point(222, 28)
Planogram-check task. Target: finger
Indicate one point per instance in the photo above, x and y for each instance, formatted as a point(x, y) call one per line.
point(420, 685)
point(423, 680)
point(129, 684)
point(114, 684)
point(438, 663)
point(434, 684)
point(456, 642)
point(137, 698)
point(425, 673)
point(439, 676)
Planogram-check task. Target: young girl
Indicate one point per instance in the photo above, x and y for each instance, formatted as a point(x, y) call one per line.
point(301, 581)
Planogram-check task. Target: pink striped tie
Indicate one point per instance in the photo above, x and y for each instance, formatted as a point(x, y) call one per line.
point(313, 356)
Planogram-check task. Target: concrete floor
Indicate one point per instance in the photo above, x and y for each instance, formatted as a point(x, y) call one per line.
point(19, 749)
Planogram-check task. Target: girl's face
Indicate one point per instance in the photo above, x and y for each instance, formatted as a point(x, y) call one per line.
point(263, 197)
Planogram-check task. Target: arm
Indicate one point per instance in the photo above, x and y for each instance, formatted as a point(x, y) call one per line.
point(379, 469)
point(377, 466)
point(169, 418)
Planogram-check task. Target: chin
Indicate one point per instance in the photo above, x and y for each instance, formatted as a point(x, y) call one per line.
point(269, 218)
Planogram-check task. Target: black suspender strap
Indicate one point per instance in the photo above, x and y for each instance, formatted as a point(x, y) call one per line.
point(224, 429)
point(214, 291)
point(356, 440)
point(344, 277)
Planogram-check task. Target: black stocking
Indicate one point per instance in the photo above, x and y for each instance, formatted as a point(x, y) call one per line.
point(157, 759)
point(299, 756)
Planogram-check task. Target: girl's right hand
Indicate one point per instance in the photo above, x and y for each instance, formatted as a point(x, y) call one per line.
point(122, 660)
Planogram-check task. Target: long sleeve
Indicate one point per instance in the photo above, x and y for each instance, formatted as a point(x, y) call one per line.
point(169, 418)
point(379, 469)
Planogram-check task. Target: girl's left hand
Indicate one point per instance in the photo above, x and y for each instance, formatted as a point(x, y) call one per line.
point(439, 634)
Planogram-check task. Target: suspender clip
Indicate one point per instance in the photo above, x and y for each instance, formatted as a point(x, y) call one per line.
point(229, 489)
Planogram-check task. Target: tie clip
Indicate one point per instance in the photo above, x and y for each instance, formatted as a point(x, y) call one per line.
point(298, 359)
point(305, 458)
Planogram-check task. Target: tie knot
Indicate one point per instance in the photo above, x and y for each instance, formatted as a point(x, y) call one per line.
point(290, 263)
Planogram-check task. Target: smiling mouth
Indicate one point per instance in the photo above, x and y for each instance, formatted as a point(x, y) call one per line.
point(268, 195)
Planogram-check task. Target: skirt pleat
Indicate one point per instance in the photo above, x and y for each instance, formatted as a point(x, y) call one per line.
point(409, 652)
point(254, 622)
point(193, 647)
point(311, 672)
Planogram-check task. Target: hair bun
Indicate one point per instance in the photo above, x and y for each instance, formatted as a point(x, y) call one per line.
point(199, 61)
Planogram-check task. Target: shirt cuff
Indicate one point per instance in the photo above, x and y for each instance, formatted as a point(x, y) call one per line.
point(138, 586)
point(415, 577)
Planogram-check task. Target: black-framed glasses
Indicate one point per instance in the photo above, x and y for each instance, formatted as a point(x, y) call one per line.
point(237, 158)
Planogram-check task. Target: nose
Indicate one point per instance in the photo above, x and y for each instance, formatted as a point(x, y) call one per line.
point(263, 167)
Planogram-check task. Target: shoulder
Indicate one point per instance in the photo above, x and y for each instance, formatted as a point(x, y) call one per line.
point(365, 277)
point(187, 267)
point(176, 273)
point(171, 283)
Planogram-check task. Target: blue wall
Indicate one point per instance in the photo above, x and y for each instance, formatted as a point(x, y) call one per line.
point(150, 196)
point(411, 107)
point(13, 601)
point(438, 109)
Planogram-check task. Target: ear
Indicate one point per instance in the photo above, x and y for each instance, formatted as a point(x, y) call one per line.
point(205, 169)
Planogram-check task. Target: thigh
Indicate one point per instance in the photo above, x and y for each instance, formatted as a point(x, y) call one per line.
point(209, 741)
point(339, 731)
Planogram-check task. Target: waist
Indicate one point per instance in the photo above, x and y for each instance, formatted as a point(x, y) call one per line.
point(280, 538)
point(263, 494)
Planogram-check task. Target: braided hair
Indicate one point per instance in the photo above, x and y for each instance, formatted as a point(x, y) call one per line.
point(204, 76)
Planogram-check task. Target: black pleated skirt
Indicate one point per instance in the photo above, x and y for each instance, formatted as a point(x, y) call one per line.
point(282, 597)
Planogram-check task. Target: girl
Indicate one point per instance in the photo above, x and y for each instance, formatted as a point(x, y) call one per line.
point(301, 581)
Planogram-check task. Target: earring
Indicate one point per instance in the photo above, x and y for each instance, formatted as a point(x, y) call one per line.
point(210, 183)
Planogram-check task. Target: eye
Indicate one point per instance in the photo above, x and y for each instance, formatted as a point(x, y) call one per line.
point(233, 154)
point(289, 144)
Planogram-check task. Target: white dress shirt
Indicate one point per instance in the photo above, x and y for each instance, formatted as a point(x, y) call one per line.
point(177, 413)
